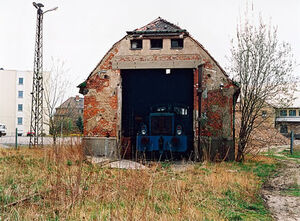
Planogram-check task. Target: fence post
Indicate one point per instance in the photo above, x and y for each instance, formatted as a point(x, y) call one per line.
point(292, 141)
point(16, 138)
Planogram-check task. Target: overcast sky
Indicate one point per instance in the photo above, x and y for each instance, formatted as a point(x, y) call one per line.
point(80, 32)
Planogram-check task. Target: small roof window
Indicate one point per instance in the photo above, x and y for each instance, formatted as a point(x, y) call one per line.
point(136, 44)
point(177, 43)
point(156, 43)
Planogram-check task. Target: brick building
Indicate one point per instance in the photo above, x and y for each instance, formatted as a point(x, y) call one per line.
point(70, 108)
point(69, 112)
point(158, 64)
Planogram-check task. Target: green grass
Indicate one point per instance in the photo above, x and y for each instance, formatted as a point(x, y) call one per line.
point(248, 210)
point(296, 154)
point(262, 170)
point(284, 155)
point(293, 190)
point(244, 210)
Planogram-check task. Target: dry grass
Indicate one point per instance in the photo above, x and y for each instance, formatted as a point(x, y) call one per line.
point(59, 184)
point(263, 135)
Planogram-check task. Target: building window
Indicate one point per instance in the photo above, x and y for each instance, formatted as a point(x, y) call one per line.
point(20, 121)
point(177, 43)
point(264, 114)
point(20, 94)
point(156, 43)
point(283, 113)
point(292, 113)
point(283, 129)
point(136, 44)
point(20, 107)
point(21, 80)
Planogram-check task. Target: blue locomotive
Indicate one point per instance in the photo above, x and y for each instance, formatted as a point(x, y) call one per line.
point(164, 132)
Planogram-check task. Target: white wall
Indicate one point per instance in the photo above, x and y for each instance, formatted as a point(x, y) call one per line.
point(8, 100)
point(9, 87)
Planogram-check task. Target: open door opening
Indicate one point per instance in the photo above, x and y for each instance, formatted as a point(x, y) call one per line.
point(157, 111)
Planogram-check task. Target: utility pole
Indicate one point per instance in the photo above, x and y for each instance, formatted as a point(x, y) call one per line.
point(36, 124)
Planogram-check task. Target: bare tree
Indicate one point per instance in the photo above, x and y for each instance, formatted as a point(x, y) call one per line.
point(263, 66)
point(56, 85)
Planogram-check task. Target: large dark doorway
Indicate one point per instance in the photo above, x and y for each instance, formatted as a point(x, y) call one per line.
point(144, 89)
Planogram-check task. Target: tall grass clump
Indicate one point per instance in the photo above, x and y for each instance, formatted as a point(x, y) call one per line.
point(60, 183)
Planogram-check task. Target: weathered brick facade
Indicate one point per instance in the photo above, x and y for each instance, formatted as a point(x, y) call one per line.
point(103, 98)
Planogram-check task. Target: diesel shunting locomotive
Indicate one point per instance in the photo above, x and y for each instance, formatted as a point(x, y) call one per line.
point(164, 132)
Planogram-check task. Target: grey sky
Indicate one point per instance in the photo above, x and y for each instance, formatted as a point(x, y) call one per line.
point(81, 32)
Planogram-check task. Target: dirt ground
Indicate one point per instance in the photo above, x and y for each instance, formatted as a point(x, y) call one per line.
point(282, 204)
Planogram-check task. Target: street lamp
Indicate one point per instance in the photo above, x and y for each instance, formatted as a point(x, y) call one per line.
point(36, 123)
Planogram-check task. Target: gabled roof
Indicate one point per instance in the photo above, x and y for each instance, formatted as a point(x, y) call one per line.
point(73, 102)
point(159, 25)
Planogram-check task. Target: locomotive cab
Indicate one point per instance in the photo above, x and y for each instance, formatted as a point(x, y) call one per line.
point(164, 131)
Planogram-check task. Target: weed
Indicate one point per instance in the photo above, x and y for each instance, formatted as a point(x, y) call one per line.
point(70, 188)
point(69, 163)
point(206, 171)
point(166, 165)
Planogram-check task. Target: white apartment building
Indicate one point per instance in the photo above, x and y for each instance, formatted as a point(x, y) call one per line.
point(15, 101)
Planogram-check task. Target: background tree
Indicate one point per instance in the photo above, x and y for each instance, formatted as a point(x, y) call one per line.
point(55, 89)
point(263, 66)
point(79, 124)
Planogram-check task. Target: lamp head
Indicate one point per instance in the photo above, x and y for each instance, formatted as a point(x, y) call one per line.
point(37, 5)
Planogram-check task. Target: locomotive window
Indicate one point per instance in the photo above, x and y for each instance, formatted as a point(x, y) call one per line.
point(161, 109)
point(181, 111)
point(161, 125)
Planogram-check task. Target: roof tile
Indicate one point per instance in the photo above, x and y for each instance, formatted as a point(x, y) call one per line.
point(159, 25)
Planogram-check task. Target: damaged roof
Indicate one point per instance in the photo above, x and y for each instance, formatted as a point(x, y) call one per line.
point(159, 25)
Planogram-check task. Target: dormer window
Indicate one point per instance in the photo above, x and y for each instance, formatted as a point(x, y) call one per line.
point(177, 43)
point(136, 44)
point(156, 43)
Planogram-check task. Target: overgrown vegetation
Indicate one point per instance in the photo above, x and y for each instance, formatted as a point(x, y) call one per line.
point(263, 66)
point(58, 184)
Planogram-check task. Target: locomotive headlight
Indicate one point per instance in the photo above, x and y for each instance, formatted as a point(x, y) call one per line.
point(179, 130)
point(144, 129)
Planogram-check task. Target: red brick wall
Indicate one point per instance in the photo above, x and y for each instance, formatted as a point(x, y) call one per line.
point(101, 103)
point(217, 106)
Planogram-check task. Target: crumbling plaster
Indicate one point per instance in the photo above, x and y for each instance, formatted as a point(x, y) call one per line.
point(102, 111)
